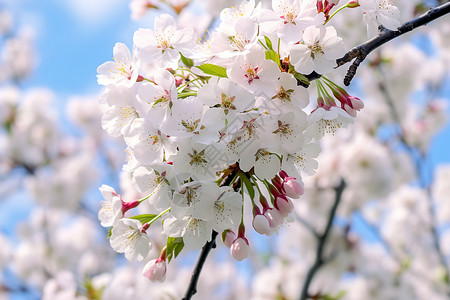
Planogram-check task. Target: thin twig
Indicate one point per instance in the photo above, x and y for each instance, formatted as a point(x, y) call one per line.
point(319, 260)
point(308, 226)
point(192, 288)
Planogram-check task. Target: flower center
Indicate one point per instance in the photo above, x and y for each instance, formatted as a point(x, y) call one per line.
point(316, 48)
point(251, 74)
point(197, 158)
point(283, 128)
point(283, 94)
point(238, 41)
point(227, 102)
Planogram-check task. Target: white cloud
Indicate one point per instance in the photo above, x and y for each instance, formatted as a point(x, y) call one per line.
point(95, 12)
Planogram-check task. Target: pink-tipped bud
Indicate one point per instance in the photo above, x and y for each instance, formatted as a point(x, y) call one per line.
point(349, 110)
point(140, 78)
point(352, 3)
point(356, 102)
point(240, 249)
point(261, 224)
point(126, 206)
point(274, 216)
point(228, 237)
point(293, 188)
point(284, 206)
point(155, 270)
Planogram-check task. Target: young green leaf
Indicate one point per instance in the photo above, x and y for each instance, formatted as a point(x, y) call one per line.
point(272, 55)
point(109, 232)
point(174, 247)
point(214, 70)
point(186, 61)
point(302, 78)
point(268, 42)
point(144, 218)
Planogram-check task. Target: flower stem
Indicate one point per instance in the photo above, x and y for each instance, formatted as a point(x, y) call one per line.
point(159, 216)
point(338, 10)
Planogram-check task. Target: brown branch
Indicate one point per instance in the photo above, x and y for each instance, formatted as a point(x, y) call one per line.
point(192, 288)
point(359, 53)
point(320, 260)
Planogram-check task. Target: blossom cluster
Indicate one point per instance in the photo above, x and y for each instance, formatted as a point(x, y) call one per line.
point(213, 124)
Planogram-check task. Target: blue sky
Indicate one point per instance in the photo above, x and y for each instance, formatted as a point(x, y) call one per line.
point(72, 38)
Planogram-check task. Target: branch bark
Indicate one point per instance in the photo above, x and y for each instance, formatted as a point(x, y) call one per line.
point(192, 288)
point(320, 260)
point(359, 53)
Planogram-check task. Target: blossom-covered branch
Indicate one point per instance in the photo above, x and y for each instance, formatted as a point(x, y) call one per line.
point(360, 52)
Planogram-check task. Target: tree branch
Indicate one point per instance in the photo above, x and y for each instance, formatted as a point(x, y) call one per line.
point(360, 52)
point(192, 288)
point(319, 260)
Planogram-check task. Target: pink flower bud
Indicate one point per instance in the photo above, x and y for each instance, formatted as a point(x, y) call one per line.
point(356, 102)
point(261, 224)
point(284, 206)
point(352, 3)
point(293, 188)
point(228, 237)
point(240, 249)
point(155, 270)
point(349, 110)
point(274, 216)
point(126, 206)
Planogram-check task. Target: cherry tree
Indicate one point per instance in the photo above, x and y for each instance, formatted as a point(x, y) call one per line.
point(246, 135)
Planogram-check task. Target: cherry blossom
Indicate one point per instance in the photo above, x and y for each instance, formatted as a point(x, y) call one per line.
point(380, 12)
point(122, 71)
point(128, 236)
point(162, 44)
point(320, 48)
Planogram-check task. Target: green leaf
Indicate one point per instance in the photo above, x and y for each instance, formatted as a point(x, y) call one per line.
point(214, 70)
point(248, 185)
point(144, 218)
point(302, 78)
point(268, 42)
point(272, 55)
point(109, 232)
point(174, 247)
point(186, 61)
